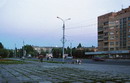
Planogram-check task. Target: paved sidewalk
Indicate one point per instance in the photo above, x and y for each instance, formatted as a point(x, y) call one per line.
point(37, 72)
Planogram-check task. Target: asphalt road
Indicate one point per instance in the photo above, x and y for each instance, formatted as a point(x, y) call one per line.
point(125, 62)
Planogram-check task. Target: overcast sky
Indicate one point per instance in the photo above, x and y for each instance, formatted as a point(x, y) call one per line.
point(35, 22)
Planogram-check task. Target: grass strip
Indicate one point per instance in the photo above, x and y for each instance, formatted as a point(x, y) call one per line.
point(7, 61)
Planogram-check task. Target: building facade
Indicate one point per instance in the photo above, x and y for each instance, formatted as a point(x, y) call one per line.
point(45, 49)
point(114, 31)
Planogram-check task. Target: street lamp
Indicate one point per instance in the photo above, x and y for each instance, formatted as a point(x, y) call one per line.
point(63, 42)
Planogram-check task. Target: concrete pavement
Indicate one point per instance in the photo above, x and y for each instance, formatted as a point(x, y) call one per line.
point(37, 72)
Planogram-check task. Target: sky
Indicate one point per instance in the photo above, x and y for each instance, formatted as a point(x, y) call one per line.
point(35, 21)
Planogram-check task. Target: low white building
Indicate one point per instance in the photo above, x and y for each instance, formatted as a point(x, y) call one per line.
point(45, 49)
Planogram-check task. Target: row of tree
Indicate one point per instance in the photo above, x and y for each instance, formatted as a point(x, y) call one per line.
point(76, 52)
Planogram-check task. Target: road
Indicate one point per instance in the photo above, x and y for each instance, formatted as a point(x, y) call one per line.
point(125, 62)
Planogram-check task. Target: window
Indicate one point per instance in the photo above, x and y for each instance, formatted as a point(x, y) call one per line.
point(129, 36)
point(124, 19)
point(128, 47)
point(128, 18)
point(117, 43)
point(117, 48)
point(111, 49)
point(129, 24)
point(105, 38)
point(111, 27)
point(129, 30)
point(116, 37)
point(120, 21)
point(111, 23)
point(111, 43)
point(105, 34)
point(116, 26)
point(106, 23)
point(111, 33)
point(111, 37)
point(116, 32)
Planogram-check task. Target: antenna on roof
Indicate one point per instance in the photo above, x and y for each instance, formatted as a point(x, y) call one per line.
point(122, 6)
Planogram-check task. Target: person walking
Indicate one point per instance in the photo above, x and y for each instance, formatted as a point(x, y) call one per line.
point(41, 58)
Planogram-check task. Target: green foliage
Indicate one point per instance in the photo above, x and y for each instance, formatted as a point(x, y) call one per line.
point(43, 52)
point(4, 53)
point(68, 50)
point(1, 46)
point(79, 46)
point(80, 53)
point(29, 50)
point(11, 53)
point(57, 52)
point(20, 53)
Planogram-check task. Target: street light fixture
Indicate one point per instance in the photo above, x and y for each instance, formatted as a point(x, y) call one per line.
point(63, 42)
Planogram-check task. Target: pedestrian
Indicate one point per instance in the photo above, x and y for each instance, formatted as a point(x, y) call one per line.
point(47, 58)
point(77, 61)
point(41, 58)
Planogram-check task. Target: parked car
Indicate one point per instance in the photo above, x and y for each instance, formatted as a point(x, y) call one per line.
point(98, 59)
point(69, 57)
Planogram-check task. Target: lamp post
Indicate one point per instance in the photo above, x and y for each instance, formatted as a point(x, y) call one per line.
point(63, 41)
point(23, 50)
point(15, 51)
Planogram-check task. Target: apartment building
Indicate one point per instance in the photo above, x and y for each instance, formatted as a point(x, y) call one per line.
point(114, 31)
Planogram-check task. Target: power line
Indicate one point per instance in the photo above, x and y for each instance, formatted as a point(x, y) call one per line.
point(79, 27)
point(84, 21)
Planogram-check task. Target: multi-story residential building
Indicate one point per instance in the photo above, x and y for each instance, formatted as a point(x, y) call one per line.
point(114, 31)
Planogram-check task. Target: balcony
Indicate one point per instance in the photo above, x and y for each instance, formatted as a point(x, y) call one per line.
point(100, 30)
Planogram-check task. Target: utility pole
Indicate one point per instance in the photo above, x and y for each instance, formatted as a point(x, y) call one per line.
point(71, 49)
point(63, 41)
point(23, 50)
point(15, 52)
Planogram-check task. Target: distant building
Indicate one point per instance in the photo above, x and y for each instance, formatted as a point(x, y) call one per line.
point(114, 31)
point(45, 49)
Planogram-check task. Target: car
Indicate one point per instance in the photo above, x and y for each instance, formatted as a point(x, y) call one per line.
point(98, 59)
point(69, 57)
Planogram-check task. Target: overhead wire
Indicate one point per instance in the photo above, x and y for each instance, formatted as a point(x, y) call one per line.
point(79, 27)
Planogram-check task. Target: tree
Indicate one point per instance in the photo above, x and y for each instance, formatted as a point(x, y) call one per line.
point(4, 53)
point(68, 50)
point(79, 46)
point(20, 53)
point(29, 50)
point(11, 53)
point(43, 52)
point(1, 46)
point(57, 52)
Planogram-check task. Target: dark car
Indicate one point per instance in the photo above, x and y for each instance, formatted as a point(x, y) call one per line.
point(98, 59)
